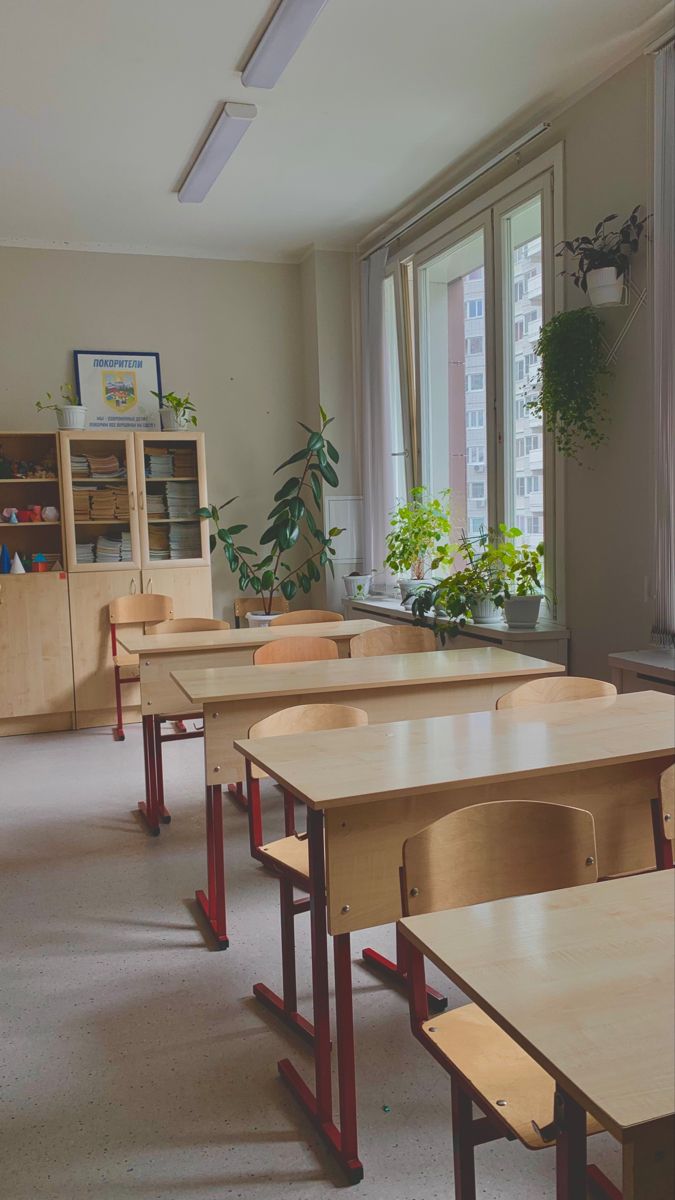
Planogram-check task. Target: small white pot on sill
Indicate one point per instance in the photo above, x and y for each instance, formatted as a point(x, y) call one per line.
point(483, 611)
point(259, 620)
point(605, 286)
point(71, 416)
point(357, 586)
point(522, 612)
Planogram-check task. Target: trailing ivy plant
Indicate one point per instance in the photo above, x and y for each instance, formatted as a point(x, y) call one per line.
point(419, 533)
point(572, 368)
point(266, 571)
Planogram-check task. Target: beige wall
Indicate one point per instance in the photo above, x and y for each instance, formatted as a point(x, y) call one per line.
point(231, 333)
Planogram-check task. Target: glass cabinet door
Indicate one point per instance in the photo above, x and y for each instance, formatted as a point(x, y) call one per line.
point(171, 472)
point(99, 495)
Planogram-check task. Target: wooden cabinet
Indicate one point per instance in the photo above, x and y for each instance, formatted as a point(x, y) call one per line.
point(126, 522)
point(35, 660)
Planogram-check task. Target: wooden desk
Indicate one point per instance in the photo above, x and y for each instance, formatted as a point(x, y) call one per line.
point(607, 948)
point(369, 789)
point(161, 654)
point(637, 670)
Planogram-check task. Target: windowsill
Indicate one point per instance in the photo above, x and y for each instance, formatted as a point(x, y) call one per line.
point(496, 630)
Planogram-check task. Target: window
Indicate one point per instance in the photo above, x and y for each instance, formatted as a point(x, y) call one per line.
point(475, 383)
point(393, 388)
point(521, 409)
point(477, 491)
point(520, 368)
point(476, 524)
point(473, 308)
point(475, 418)
point(520, 485)
point(532, 526)
point(518, 290)
point(519, 330)
point(476, 455)
point(474, 345)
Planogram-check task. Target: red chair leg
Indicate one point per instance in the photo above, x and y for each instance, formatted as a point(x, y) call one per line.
point(213, 905)
point(162, 812)
point(118, 731)
point(286, 1006)
point(462, 1142)
point(395, 972)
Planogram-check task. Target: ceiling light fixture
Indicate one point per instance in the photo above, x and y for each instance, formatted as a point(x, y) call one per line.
point(288, 27)
point(231, 124)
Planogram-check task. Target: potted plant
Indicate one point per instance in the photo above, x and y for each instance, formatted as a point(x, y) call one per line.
point(523, 592)
point(473, 592)
point(568, 392)
point(266, 571)
point(357, 586)
point(176, 412)
point(70, 414)
point(419, 538)
point(603, 260)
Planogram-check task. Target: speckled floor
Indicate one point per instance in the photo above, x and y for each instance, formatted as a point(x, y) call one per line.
point(134, 1062)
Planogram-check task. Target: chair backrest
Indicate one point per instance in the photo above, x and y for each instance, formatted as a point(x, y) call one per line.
point(306, 718)
point(133, 610)
point(295, 649)
point(247, 604)
point(392, 639)
point(502, 848)
point(667, 797)
point(306, 616)
point(554, 689)
point(188, 625)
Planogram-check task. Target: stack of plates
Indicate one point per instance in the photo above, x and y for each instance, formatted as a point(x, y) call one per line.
point(182, 499)
point(108, 549)
point(159, 544)
point(85, 552)
point(185, 540)
point(158, 462)
point(79, 465)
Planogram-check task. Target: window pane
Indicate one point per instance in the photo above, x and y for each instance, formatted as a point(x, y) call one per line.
point(452, 300)
point(523, 314)
point(393, 385)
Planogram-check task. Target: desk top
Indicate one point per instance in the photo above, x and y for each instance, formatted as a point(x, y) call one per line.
point(236, 639)
point(378, 762)
point(582, 979)
point(350, 674)
point(656, 659)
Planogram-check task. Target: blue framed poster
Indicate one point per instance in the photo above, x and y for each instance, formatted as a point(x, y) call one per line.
point(116, 386)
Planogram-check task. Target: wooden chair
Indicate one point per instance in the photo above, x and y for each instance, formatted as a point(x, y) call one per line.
point(295, 649)
point(392, 639)
point(663, 817)
point(244, 605)
point(188, 625)
point(288, 858)
point(481, 853)
point(306, 616)
point(132, 610)
point(555, 689)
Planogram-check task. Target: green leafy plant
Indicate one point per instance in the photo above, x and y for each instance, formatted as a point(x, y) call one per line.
point(569, 392)
point(608, 247)
point(266, 571)
point(493, 568)
point(68, 396)
point(182, 406)
point(419, 534)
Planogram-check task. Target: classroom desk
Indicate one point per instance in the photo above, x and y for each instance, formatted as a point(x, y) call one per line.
point(637, 670)
point(388, 687)
point(368, 789)
point(607, 950)
point(161, 654)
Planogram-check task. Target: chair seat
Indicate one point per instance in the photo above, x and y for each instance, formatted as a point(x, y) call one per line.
point(124, 659)
point(499, 1070)
point(291, 853)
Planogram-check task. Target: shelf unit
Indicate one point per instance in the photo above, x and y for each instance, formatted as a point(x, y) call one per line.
point(66, 680)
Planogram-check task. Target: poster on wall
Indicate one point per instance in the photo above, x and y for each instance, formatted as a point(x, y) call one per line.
point(116, 388)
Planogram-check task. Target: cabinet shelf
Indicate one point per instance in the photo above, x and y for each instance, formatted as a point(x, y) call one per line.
point(98, 479)
point(173, 520)
point(170, 478)
point(104, 521)
point(29, 525)
point(53, 479)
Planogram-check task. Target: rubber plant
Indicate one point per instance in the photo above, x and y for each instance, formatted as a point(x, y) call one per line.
point(266, 570)
point(569, 387)
point(419, 533)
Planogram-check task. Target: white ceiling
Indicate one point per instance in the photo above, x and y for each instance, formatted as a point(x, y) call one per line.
point(102, 103)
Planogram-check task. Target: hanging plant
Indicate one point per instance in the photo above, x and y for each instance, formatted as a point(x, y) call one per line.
point(609, 247)
point(572, 366)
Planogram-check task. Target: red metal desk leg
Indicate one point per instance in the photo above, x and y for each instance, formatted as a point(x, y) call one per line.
point(570, 1158)
point(319, 1108)
point(395, 972)
point(162, 812)
point(213, 904)
point(147, 808)
point(344, 1014)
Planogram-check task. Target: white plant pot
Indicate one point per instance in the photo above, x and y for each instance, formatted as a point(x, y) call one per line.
point(408, 586)
point(357, 586)
point(259, 620)
point(170, 421)
point(483, 611)
point(522, 612)
point(605, 286)
point(71, 416)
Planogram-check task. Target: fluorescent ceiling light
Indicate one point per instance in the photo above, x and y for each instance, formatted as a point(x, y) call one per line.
point(230, 127)
point(288, 27)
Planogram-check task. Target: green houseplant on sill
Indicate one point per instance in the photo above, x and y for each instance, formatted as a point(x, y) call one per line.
point(267, 571)
point(523, 590)
point(176, 412)
point(418, 539)
point(70, 414)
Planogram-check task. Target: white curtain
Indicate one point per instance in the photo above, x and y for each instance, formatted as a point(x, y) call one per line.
point(663, 630)
point(379, 492)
